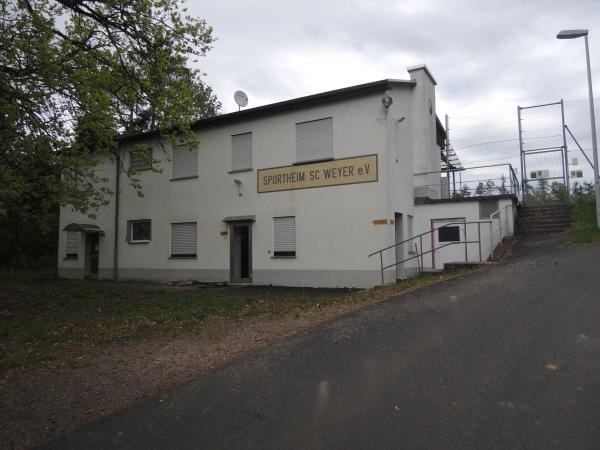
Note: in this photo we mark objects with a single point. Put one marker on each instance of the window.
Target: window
(139, 231)
(140, 159)
(487, 207)
(314, 140)
(183, 240)
(284, 236)
(73, 238)
(184, 162)
(409, 227)
(241, 151)
(450, 233)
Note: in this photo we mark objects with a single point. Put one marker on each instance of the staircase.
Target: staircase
(547, 218)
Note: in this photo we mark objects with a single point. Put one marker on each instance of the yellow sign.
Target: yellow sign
(359, 169)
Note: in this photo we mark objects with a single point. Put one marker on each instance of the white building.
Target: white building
(296, 193)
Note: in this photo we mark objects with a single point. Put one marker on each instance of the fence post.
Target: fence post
(479, 239)
(381, 265)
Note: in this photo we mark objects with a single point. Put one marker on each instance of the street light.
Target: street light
(573, 34)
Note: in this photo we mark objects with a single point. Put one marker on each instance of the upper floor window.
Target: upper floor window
(184, 162)
(241, 151)
(314, 140)
(140, 159)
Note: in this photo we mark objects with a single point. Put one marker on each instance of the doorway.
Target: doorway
(449, 241)
(399, 237)
(241, 253)
(92, 254)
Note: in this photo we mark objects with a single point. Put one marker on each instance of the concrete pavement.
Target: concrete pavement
(507, 357)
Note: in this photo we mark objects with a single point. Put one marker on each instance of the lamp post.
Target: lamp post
(573, 34)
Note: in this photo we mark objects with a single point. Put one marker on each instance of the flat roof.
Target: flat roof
(287, 105)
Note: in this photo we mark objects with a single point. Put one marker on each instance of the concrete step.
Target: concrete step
(543, 220)
(541, 230)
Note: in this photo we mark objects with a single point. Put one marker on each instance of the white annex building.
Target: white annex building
(303, 192)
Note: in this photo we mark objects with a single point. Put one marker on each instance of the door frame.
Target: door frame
(90, 238)
(232, 225)
(434, 238)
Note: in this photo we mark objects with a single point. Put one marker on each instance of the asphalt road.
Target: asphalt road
(508, 357)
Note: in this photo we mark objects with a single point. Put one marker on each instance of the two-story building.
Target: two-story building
(296, 193)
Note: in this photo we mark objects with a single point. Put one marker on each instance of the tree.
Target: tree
(485, 188)
(502, 189)
(463, 192)
(76, 74)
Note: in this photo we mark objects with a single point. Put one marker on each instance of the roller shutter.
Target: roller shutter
(241, 151)
(314, 140)
(183, 239)
(284, 232)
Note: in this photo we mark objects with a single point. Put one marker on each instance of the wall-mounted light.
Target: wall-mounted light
(238, 183)
(387, 101)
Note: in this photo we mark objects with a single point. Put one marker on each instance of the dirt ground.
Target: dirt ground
(40, 404)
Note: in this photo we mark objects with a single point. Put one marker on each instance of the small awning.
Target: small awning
(84, 228)
(240, 219)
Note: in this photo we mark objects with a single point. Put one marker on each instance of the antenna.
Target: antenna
(241, 99)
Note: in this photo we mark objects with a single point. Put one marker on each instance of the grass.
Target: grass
(583, 220)
(45, 320)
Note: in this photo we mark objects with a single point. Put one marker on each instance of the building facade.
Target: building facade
(295, 193)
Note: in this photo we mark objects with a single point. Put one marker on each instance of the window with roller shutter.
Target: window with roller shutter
(183, 239)
(241, 151)
(314, 140)
(184, 163)
(284, 236)
(73, 238)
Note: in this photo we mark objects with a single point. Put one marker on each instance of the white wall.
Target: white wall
(334, 229)
(469, 210)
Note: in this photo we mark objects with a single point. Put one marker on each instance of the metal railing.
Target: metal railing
(472, 181)
(419, 249)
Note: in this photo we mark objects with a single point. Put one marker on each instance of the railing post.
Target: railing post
(479, 239)
(381, 265)
(491, 238)
(421, 250)
(466, 245)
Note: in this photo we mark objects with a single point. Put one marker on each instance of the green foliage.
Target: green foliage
(583, 216)
(485, 188)
(73, 77)
(463, 192)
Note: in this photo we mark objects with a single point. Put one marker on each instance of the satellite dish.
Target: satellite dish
(240, 98)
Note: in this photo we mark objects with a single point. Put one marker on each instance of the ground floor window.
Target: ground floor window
(284, 236)
(183, 240)
(139, 231)
(73, 238)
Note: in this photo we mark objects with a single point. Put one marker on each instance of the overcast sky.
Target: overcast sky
(487, 57)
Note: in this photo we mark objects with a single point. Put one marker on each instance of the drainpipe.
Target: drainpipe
(116, 230)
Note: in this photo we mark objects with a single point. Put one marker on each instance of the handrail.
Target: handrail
(429, 251)
(424, 233)
(420, 236)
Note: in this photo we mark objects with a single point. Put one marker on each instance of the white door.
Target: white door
(449, 241)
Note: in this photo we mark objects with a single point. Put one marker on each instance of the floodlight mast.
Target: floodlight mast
(574, 34)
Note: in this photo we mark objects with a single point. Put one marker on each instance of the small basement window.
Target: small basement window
(140, 159)
(139, 231)
(284, 236)
(450, 233)
(183, 240)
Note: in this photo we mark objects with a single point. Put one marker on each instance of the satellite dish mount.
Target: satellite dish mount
(241, 99)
